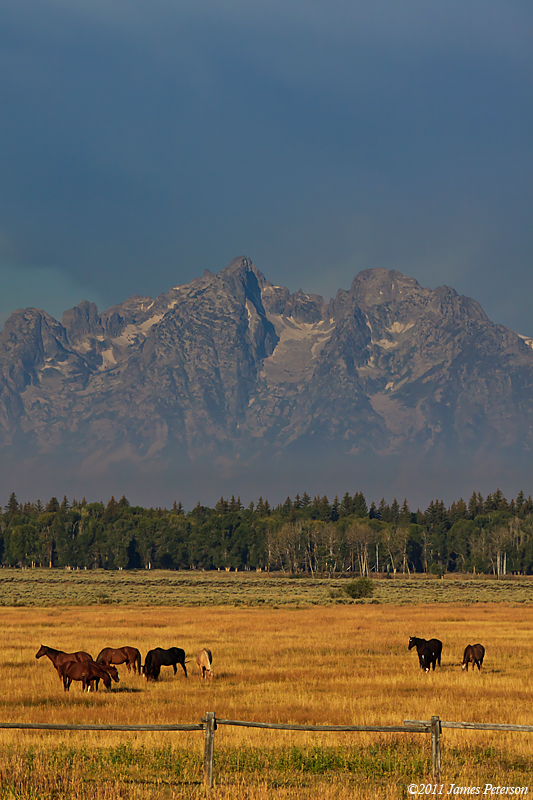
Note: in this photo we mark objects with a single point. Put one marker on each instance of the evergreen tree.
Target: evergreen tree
(404, 517)
(53, 505)
(359, 505)
(346, 506)
(12, 507)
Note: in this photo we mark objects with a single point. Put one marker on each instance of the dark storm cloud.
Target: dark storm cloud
(143, 142)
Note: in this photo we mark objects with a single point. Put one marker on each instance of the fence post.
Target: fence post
(209, 748)
(435, 747)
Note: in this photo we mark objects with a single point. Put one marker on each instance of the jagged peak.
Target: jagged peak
(382, 285)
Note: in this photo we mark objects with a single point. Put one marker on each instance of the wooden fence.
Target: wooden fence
(210, 723)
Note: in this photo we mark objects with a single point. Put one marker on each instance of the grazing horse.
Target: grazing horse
(204, 659)
(88, 672)
(157, 658)
(119, 655)
(474, 653)
(111, 670)
(427, 657)
(434, 646)
(58, 657)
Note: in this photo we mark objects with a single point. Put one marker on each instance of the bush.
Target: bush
(362, 587)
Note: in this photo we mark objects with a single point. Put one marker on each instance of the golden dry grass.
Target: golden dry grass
(320, 665)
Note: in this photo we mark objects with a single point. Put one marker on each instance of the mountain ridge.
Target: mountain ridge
(233, 369)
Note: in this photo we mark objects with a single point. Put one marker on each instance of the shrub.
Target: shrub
(362, 587)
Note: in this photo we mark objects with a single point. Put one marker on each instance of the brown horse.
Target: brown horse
(88, 672)
(59, 657)
(119, 655)
(474, 654)
(204, 659)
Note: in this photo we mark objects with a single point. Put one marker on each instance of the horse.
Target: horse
(157, 658)
(111, 670)
(88, 672)
(435, 647)
(204, 659)
(119, 655)
(59, 657)
(474, 653)
(427, 657)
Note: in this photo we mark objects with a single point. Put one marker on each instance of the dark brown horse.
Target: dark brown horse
(59, 657)
(118, 655)
(474, 654)
(157, 658)
(88, 672)
(429, 652)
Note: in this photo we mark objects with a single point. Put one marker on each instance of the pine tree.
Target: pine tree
(405, 513)
(12, 507)
(359, 505)
(222, 507)
(346, 506)
(335, 509)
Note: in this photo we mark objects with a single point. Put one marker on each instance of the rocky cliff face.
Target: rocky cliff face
(232, 367)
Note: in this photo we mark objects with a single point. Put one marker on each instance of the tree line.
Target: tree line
(302, 535)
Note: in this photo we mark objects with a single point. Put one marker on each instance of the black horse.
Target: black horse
(429, 651)
(157, 658)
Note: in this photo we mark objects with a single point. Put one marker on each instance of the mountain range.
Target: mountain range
(231, 381)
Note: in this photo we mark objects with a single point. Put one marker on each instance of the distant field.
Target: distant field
(45, 587)
(300, 663)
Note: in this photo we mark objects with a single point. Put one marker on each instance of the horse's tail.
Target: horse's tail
(138, 662)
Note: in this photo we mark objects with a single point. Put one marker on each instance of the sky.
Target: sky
(143, 141)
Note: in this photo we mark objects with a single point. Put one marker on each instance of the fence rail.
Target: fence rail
(475, 726)
(210, 723)
(45, 726)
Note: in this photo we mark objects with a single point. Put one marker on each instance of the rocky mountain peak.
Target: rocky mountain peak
(232, 366)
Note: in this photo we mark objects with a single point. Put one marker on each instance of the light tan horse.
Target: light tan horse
(204, 659)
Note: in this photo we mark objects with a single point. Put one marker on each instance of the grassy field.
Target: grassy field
(301, 663)
(45, 587)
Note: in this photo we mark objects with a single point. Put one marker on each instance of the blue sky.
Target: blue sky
(142, 142)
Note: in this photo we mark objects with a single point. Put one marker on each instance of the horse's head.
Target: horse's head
(41, 651)
(113, 671)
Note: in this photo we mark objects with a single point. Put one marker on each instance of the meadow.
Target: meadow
(65, 587)
(301, 662)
